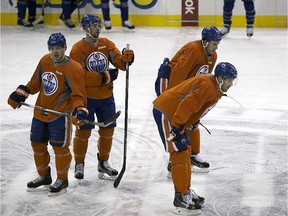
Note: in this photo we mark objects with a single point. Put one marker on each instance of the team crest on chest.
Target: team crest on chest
(97, 61)
(203, 70)
(50, 83)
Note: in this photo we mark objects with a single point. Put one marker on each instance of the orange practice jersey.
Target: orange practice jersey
(187, 102)
(191, 60)
(103, 52)
(61, 87)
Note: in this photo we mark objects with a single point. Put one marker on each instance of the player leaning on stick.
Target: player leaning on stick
(194, 58)
(180, 109)
(94, 54)
(59, 82)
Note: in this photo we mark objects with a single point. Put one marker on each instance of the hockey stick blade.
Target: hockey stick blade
(37, 21)
(106, 123)
(119, 177)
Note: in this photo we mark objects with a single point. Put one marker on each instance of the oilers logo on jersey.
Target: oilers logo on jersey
(97, 61)
(50, 83)
(203, 70)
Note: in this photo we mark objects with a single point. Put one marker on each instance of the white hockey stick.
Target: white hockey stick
(100, 124)
(39, 19)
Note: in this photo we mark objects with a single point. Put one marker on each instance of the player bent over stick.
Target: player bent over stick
(192, 59)
(180, 108)
(59, 82)
(94, 54)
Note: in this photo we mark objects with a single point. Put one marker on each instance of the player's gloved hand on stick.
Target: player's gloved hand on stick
(79, 115)
(181, 138)
(20, 95)
(109, 76)
(127, 56)
(164, 70)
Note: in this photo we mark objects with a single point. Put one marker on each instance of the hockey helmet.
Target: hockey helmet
(225, 70)
(57, 39)
(211, 34)
(89, 19)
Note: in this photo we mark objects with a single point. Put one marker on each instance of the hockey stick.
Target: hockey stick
(119, 177)
(39, 19)
(78, 11)
(100, 124)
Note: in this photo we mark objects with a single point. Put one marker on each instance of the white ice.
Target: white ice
(247, 150)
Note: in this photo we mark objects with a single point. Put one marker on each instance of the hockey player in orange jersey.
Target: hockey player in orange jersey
(94, 54)
(59, 82)
(194, 58)
(180, 109)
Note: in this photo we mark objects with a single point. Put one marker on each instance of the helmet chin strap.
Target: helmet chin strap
(90, 34)
(220, 84)
(204, 46)
(55, 60)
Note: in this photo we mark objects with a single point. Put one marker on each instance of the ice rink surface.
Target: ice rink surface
(247, 150)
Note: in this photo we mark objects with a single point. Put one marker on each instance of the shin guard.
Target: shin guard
(80, 145)
(63, 159)
(41, 157)
(180, 170)
(105, 142)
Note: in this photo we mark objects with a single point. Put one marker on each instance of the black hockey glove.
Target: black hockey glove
(20, 95)
(109, 76)
(79, 115)
(181, 138)
(164, 70)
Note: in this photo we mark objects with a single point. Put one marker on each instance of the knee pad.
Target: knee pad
(106, 132)
(82, 134)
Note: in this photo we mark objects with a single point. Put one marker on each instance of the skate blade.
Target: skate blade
(45, 188)
(61, 22)
(196, 169)
(52, 194)
(23, 28)
(169, 176)
(183, 211)
(104, 176)
(124, 29)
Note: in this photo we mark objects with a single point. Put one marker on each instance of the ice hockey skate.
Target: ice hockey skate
(196, 198)
(35, 185)
(59, 187)
(24, 24)
(199, 165)
(67, 22)
(106, 172)
(225, 30)
(79, 171)
(127, 26)
(249, 31)
(108, 25)
(185, 206)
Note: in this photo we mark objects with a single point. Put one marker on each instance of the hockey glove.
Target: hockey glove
(164, 70)
(79, 115)
(109, 76)
(20, 95)
(181, 138)
(127, 56)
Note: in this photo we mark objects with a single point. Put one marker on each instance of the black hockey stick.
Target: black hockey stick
(78, 11)
(37, 21)
(119, 177)
(100, 124)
